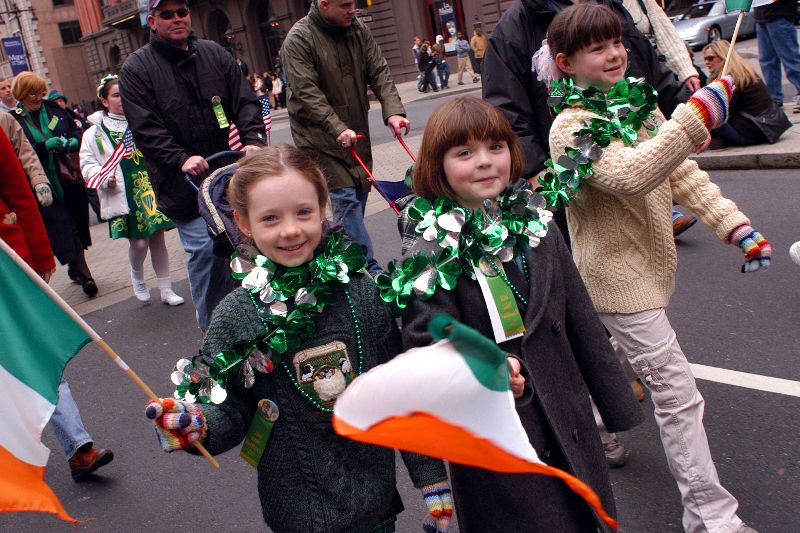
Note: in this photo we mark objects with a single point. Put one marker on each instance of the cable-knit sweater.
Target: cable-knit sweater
(620, 221)
(309, 479)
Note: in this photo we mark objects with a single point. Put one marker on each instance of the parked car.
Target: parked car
(706, 22)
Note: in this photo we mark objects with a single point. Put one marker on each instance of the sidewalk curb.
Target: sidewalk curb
(445, 92)
(748, 161)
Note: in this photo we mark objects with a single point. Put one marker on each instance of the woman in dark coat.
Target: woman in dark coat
(53, 133)
(751, 97)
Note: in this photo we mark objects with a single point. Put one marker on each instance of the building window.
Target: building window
(63, 2)
(70, 32)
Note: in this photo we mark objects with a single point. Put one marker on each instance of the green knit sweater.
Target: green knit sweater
(309, 478)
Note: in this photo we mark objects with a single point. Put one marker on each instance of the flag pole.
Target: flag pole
(733, 42)
(92, 334)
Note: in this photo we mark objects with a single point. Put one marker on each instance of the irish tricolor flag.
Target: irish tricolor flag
(450, 400)
(37, 339)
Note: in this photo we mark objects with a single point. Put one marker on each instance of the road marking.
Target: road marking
(749, 381)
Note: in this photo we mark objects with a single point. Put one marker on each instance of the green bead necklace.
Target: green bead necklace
(359, 344)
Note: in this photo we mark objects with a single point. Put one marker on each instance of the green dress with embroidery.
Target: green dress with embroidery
(144, 218)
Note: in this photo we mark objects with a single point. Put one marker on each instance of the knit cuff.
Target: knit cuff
(730, 223)
(691, 123)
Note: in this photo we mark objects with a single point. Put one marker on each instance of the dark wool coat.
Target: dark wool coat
(62, 218)
(310, 480)
(329, 69)
(509, 83)
(568, 357)
(167, 93)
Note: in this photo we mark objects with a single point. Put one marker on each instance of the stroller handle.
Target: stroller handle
(188, 178)
(371, 178)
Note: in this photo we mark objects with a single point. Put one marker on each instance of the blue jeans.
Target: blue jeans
(777, 43)
(209, 275)
(348, 211)
(732, 136)
(444, 73)
(67, 423)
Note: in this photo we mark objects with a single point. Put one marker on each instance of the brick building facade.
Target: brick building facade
(255, 29)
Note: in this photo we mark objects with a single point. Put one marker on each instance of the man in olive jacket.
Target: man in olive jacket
(330, 58)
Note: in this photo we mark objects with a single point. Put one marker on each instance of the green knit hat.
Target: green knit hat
(55, 94)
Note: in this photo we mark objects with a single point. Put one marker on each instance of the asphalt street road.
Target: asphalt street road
(724, 319)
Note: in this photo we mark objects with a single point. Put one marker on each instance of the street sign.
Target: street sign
(16, 54)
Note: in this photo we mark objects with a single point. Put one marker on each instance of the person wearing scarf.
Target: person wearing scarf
(52, 132)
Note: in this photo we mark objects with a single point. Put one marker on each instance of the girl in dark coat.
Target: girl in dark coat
(486, 223)
(52, 133)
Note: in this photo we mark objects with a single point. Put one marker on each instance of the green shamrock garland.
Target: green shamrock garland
(627, 106)
(516, 216)
(312, 286)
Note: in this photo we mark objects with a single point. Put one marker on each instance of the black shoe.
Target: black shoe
(89, 287)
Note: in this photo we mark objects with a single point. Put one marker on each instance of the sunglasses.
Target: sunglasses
(168, 14)
(709, 58)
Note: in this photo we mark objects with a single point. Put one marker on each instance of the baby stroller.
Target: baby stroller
(213, 204)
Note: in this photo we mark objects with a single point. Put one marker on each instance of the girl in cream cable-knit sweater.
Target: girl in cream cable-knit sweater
(624, 164)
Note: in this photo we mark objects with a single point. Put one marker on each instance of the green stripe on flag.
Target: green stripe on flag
(37, 338)
(737, 5)
(486, 360)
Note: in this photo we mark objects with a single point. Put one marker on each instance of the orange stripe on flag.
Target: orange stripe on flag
(457, 445)
(22, 488)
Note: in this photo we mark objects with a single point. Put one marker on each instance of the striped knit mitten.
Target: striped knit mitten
(439, 501)
(711, 103)
(178, 424)
(756, 248)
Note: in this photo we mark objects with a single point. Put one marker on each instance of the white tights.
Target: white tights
(159, 256)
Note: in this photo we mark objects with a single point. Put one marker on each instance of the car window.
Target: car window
(699, 11)
(718, 9)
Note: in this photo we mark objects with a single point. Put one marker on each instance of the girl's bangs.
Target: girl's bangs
(474, 122)
(597, 25)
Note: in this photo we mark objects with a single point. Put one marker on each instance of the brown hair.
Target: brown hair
(273, 161)
(580, 25)
(28, 83)
(454, 123)
(743, 74)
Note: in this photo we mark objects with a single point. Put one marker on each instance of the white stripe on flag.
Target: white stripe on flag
(108, 168)
(234, 142)
(446, 371)
(23, 415)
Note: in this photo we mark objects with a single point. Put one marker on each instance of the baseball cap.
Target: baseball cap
(153, 4)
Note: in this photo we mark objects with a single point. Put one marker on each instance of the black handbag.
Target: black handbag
(772, 122)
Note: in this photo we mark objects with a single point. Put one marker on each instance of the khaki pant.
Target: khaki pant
(648, 342)
(463, 63)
